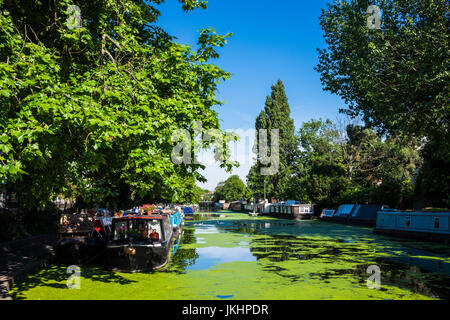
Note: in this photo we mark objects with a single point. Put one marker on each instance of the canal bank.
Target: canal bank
(234, 256)
(19, 258)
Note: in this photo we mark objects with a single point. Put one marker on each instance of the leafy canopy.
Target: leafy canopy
(89, 112)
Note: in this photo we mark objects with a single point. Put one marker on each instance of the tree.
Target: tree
(206, 195)
(397, 77)
(382, 170)
(89, 111)
(276, 115)
(232, 189)
(355, 166)
(320, 175)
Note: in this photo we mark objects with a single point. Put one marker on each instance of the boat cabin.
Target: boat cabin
(293, 211)
(141, 228)
(139, 243)
(425, 225)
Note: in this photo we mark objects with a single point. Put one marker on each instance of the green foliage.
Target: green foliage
(89, 112)
(232, 189)
(319, 172)
(396, 78)
(352, 165)
(434, 180)
(276, 115)
(206, 195)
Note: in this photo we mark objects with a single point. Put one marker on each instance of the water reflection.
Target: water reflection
(184, 256)
(256, 258)
(422, 268)
(212, 256)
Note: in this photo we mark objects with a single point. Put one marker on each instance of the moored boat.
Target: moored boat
(188, 213)
(353, 214)
(290, 210)
(140, 243)
(430, 225)
(83, 238)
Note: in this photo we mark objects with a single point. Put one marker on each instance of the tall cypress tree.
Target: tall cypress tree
(276, 115)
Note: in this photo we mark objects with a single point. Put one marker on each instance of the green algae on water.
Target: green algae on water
(240, 257)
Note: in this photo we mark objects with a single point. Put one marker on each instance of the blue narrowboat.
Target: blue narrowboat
(424, 225)
(188, 213)
(354, 214)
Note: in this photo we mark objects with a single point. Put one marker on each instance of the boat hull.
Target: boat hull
(353, 222)
(295, 216)
(415, 235)
(137, 257)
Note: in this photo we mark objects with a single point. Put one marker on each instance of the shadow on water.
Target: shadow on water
(294, 250)
(56, 276)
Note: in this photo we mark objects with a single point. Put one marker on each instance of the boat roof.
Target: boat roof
(151, 217)
(393, 211)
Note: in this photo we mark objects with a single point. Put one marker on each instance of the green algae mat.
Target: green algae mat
(234, 256)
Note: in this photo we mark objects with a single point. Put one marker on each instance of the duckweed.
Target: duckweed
(240, 257)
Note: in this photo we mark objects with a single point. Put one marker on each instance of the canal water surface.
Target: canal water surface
(234, 256)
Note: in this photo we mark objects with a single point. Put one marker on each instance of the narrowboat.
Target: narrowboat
(207, 206)
(139, 243)
(290, 210)
(327, 214)
(353, 214)
(237, 206)
(176, 220)
(188, 213)
(262, 206)
(427, 225)
(83, 238)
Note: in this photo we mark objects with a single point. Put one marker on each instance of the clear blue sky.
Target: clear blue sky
(272, 39)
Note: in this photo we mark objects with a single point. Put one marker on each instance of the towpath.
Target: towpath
(20, 257)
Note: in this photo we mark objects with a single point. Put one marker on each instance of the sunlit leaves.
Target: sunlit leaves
(89, 111)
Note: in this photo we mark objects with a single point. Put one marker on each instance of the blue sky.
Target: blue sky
(272, 39)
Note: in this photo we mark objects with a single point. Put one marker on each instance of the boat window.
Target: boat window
(436, 223)
(408, 221)
(136, 229)
(356, 210)
(119, 229)
(155, 225)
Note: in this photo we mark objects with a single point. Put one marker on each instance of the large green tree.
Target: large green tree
(89, 103)
(276, 115)
(395, 77)
(319, 174)
(352, 164)
(232, 189)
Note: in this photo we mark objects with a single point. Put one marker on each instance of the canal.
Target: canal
(234, 256)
